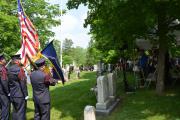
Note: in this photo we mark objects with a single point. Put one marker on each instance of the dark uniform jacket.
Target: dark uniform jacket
(40, 87)
(4, 89)
(18, 87)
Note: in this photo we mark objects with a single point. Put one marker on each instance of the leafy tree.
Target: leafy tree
(92, 54)
(67, 46)
(67, 60)
(67, 51)
(79, 55)
(9, 27)
(42, 14)
(71, 54)
(116, 23)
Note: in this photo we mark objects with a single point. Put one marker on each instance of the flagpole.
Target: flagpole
(8, 63)
(61, 34)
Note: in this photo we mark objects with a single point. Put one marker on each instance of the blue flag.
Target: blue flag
(50, 52)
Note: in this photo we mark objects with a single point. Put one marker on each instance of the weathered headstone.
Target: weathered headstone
(95, 67)
(106, 99)
(103, 67)
(65, 74)
(99, 68)
(89, 113)
(112, 86)
(115, 72)
(109, 68)
(103, 93)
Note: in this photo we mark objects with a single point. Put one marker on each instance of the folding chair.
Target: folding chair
(152, 77)
(139, 75)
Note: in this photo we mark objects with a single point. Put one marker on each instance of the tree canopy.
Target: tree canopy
(72, 54)
(118, 23)
(41, 13)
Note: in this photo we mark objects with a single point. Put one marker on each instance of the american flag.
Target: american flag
(30, 43)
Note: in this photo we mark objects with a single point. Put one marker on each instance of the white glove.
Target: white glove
(27, 97)
(9, 95)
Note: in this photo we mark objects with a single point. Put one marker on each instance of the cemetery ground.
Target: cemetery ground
(68, 102)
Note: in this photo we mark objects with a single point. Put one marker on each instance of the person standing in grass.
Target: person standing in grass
(4, 90)
(77, 72)
(40, 83)
(143, 66)
(18, 88)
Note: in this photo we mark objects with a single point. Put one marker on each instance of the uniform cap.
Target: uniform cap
(18, 56)
(40, 62)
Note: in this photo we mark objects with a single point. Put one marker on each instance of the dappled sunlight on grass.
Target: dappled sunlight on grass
(146, 111)
(157, 117)
(146, 105)
(171, 94)
(68, 101)
(138, 102)
(71, 99)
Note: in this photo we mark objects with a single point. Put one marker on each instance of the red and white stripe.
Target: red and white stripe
(30, 42)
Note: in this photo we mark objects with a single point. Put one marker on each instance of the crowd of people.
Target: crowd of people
(143, 65)
(14, 93)
(69, 69)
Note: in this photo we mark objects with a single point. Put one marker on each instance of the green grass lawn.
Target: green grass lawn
(68, 102)
(144, 104)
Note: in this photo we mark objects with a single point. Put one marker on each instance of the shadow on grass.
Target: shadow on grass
(146, 105)
(71, 99)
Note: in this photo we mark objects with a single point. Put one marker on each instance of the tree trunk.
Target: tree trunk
(161, 69)
(163, 46)
(167, 67)
(126, 86)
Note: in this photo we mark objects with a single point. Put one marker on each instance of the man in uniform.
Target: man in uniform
(40, 83)
(18, 88)
(4, 90)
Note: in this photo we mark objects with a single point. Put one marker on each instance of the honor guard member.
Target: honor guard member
(40, 83)
(18, 88)
(4, 90)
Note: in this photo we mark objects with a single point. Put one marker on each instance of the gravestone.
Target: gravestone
(109, 68)
(89, 113)
(103, 100)
(106, 91)
(112, 83)
(65, 73)
(103, 67)
(99, 68)
(95, 68)
(115, 72)
(112, 86)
